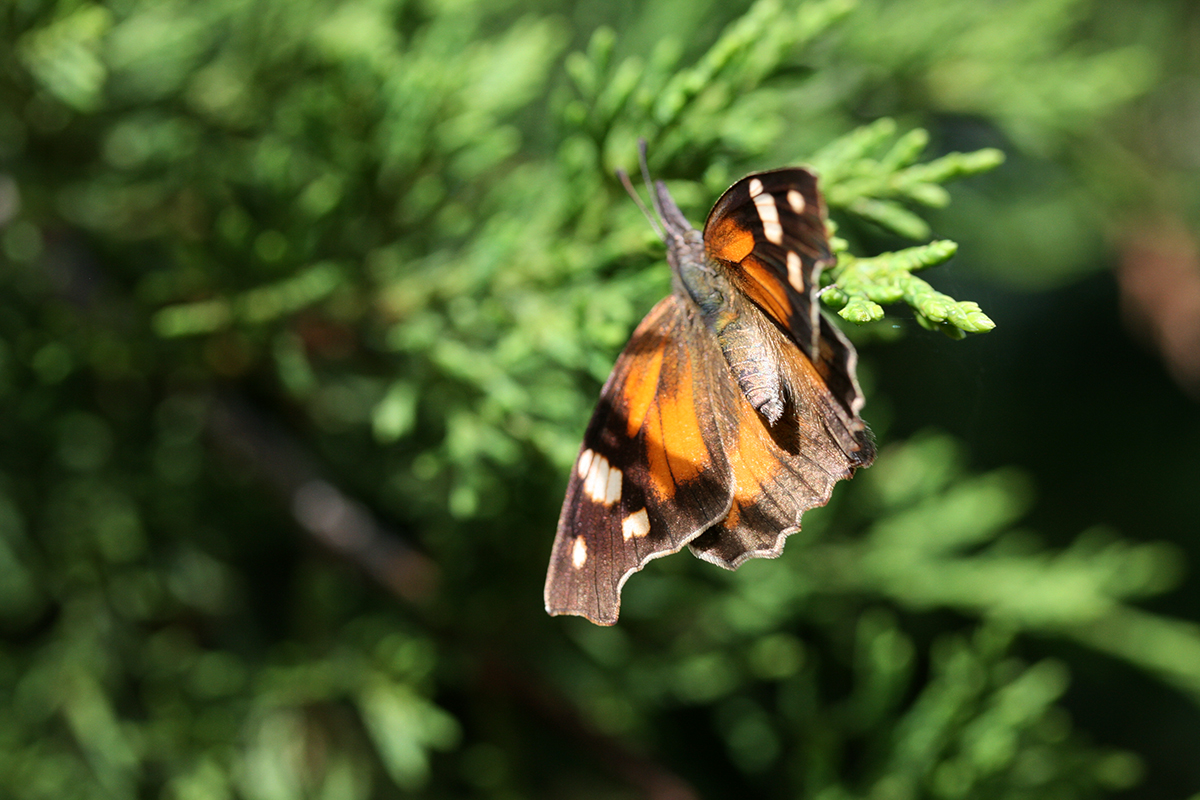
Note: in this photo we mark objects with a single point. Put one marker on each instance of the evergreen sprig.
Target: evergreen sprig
(864, 284)
(863, 175)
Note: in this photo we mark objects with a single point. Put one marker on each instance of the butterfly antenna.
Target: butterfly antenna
(654, 223)
(646, 178)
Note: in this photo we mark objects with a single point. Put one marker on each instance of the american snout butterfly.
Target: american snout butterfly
(733, 409)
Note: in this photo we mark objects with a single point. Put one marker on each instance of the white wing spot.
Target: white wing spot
(597, 479)
(756, 187)
(601, 481)
(636, 525)
(585, 462)
(796, 201)
(768, 214)
(612, 492)
(795, 277)
(578, 553)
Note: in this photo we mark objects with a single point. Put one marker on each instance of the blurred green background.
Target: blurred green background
(305, 306)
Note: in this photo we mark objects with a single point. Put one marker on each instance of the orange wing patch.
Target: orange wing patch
(729, 241)
(675, 445)
(754, 461)
(761, 285)
(640, 388)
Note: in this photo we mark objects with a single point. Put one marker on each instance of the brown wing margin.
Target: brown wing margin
(652, 473)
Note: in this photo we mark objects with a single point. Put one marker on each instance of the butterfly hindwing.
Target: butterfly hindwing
(652, 472)
(780, 471)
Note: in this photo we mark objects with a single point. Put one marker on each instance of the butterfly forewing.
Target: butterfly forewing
(652, 472)
(768, 230)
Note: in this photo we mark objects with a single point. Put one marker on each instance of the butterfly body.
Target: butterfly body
(741, 342)
(733, 408)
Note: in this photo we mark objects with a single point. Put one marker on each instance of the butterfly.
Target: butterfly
(732, 410)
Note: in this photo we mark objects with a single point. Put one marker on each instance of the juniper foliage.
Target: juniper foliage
(305, 304)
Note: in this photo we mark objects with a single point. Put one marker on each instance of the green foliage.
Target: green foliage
(869, 189)
(1031, 74)
(674, 105)
(305, 305)
(862, 283)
